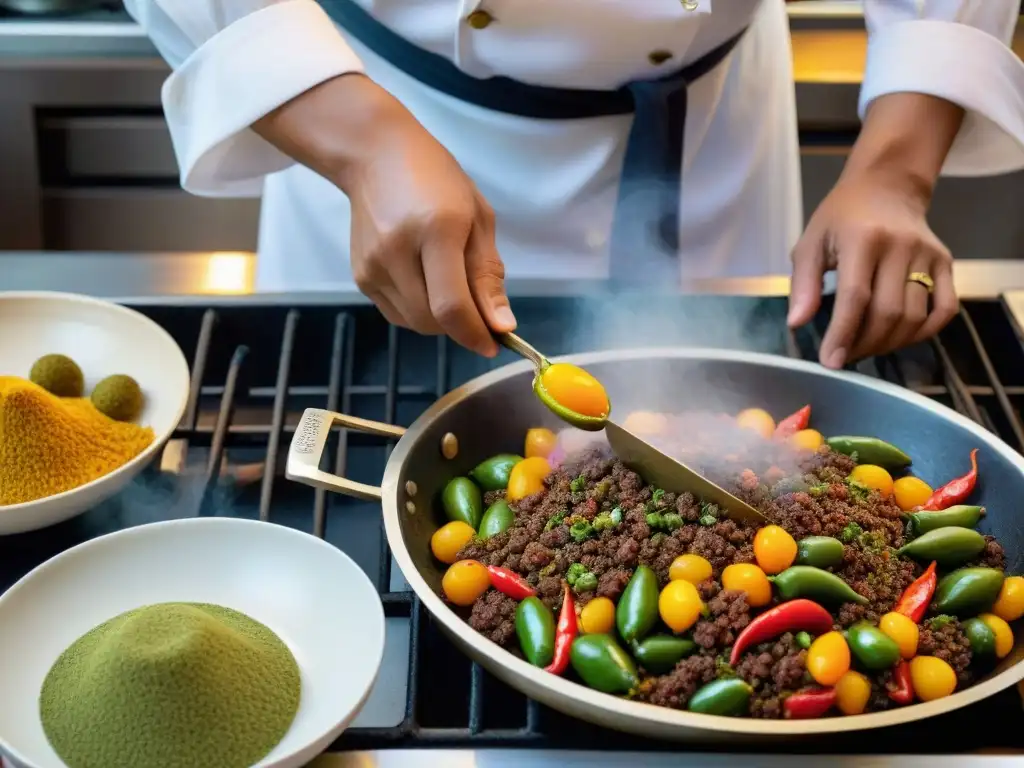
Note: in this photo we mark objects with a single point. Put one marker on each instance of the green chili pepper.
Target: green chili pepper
(947, 546)
(819, 551)
(586, 582)
(462, 501)
(961, 516)
(492, 474)
(967, 591)
(659, 653)
(638, 607)
(871, 647)
(729, 697)
(535, 628)
(803, 639)
(815, 584)
(602, 664)
(497, 519)
(983, 639)
(870, 450)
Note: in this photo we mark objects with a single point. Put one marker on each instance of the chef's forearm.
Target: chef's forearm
(905, 139)
(330, 127)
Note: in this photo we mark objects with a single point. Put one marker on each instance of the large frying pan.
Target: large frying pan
(492, 413)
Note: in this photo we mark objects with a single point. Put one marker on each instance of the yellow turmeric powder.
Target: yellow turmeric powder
(51, 444)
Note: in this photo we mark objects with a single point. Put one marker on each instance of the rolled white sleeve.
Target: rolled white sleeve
(958, 50)
(234, 61)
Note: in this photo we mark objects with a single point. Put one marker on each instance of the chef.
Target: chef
(422, 150)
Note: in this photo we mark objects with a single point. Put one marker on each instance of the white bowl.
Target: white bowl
(104, 339)
(317, 600)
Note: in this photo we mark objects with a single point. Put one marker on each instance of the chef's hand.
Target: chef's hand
(872, 229)
(422, 240)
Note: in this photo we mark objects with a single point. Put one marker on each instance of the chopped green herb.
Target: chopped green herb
(723, 668)
(548, 569)
(575, 571)
(858, 491)
(577, 485)
(803, 639)
(603, 522)
(672, 521)
(657, 496)
(818, 490)
(555, 520)
(850, 533)
(657, 538)
(873, 542)
(939, 622)
(707, 508)
(655, 520)
(581, 530)
(586, 582)
(707, 520)
(602, 488)
(616, 515)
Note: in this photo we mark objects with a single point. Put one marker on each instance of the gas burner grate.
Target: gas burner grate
(255, 369)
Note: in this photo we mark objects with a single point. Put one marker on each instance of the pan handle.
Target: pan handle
(307, 447)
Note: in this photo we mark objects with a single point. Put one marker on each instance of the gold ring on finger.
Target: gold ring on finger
(922, 278)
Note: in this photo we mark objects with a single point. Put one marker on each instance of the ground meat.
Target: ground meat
(947, 642)
(676, 688)
(596, 514)
(729, 614)
(493, 616)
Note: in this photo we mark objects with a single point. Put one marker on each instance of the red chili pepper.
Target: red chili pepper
(565, 633)
(915, 598)
(955, 491)
(903, 692)
(794, 423)
(808, 705)
(510, 583)
(791, 616)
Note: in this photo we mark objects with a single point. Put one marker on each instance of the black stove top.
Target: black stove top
(256, 368)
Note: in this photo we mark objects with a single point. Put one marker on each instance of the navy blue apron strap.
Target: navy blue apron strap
(644, 243)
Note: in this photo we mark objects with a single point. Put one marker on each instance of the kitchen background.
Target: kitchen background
(86, 162)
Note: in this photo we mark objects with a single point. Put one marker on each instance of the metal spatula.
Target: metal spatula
(662, 470)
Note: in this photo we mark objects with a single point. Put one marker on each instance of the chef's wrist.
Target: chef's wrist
(333, 127)
(903, 143)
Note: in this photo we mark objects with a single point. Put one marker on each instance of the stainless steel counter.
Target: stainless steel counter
(216, 277)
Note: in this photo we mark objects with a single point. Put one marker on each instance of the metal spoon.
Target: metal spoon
(540, 363)
(656, 467)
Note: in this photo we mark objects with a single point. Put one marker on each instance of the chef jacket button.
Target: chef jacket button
(479, 19)
(659, 57)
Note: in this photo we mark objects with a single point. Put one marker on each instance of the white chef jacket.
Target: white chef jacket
(553, 183)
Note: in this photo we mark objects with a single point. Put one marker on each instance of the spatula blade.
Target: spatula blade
(659, 469)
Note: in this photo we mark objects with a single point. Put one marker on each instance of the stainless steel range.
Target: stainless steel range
(257, 362)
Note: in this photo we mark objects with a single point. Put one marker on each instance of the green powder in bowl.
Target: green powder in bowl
(173, 685)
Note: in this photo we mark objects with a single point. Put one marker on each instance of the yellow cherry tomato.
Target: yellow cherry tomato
(902, 631)
(527, 478)
(932, 678)
(807, 440)
(774, 549)
(874, 478)
(539, 442)
(1010, 605)
(573, 388)
(646, 422)
(465, 581)
(853, 691)
(449, 539)
(756, 420)
(598, 616)
(691, 568)
(680, 605)
(828, 658)
(1002, 631)
(910, 492)
(745, 577)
